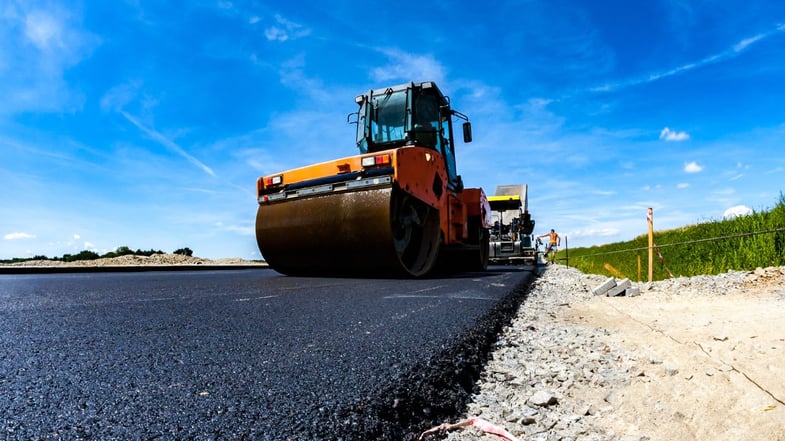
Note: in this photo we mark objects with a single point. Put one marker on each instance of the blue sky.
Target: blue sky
(146, 123)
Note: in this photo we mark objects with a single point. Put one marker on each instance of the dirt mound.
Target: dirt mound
(132, 260)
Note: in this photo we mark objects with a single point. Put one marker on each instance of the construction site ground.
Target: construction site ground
(709, 367)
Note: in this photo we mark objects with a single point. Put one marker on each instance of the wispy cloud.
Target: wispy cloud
(44, 31)
(243, 230)
(37, 45)
(593, 232)
(225, 4)
(166, 142)
(743, 44)
(671, 135)
(693, 167)
(18, 236)
(733, 51)
(119, 96)
(284, 29)
(407, 66)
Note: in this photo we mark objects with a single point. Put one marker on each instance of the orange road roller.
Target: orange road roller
(398, 208)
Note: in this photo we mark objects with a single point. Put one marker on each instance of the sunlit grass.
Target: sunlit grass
(713, 247)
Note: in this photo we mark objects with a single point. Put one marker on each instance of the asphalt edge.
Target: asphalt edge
(438, 389)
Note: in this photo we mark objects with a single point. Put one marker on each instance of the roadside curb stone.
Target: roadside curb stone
(604, 287)
(632, 291)
(620, 288)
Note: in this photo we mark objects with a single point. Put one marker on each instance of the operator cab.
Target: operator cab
(413, 114)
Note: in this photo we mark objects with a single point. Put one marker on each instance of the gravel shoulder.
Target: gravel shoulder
(689, 359)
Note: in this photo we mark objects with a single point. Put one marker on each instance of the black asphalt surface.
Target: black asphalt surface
(243, 354)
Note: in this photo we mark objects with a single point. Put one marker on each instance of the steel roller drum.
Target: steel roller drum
(379, 231)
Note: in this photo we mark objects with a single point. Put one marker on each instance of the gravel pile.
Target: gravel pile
(722, 284)
(539, 365)
(132, 260)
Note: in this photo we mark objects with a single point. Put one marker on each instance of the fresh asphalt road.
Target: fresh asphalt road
(237, 354)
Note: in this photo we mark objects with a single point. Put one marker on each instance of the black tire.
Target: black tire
(416, 233)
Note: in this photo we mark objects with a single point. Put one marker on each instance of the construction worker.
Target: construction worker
(554, 241)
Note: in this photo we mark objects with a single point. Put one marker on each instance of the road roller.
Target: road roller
(398, 208)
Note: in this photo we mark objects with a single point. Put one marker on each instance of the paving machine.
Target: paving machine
(397, 208)
(511, 233)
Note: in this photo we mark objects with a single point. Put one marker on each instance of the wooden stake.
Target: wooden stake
(651, 243)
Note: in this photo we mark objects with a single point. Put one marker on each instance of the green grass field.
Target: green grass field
(743, 243)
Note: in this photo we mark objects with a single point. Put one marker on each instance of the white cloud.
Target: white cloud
(44, 30)
(736, 211)
(121, 95)
(670, 135)
(285, 30)
(592, 232)
(40, 42)
(693, 167)
(275, 34)
(18, 235)
(682, 185)
(404, 66)
(238, 229)
(77, 237)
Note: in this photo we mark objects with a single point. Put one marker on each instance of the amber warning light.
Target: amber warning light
(370, 161)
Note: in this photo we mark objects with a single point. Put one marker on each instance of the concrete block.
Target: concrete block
(632, 291)
(619, 289)
(604, 287)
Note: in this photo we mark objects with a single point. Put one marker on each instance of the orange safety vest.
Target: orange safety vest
(553, 237)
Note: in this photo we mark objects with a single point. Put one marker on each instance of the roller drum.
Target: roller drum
(380, 231)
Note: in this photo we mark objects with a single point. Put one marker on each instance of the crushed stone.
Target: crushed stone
(538, 363)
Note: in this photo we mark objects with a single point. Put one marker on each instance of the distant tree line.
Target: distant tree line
(92, 255)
